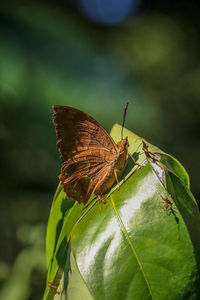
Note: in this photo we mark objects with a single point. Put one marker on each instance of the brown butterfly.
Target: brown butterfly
(91, 159)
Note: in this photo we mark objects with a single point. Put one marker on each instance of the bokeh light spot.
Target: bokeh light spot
(110, 12)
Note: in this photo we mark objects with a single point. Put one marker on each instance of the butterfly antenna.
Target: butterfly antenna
(124, 118)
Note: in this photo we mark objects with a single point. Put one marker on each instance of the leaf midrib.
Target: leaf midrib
(131, 245)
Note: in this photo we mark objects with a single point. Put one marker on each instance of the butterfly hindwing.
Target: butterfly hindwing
(80, 178)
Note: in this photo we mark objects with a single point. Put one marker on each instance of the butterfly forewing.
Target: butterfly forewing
(77, 130)
(87, 151)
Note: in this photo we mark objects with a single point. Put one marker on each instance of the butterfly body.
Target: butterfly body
(90, 156)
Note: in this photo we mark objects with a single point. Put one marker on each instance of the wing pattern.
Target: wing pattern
(87, 151)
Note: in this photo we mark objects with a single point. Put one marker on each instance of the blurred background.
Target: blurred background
(93, 55)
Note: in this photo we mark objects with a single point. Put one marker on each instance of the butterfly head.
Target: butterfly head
(123, 145)
(122, 154)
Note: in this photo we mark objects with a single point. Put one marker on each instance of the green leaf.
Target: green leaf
(77, 288)
(59, 210)
(132, 247)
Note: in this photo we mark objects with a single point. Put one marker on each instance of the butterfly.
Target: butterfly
(91, 159)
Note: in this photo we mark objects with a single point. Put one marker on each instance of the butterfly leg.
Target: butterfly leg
(132, 157)
(115, 172)
(101, 199)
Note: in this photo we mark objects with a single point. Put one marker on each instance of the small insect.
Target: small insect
(52, 286)
(151, 157)
(154, 160)
(167, 204)
(91, 158)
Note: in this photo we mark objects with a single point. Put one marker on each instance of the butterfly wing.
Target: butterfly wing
(77, 131)
(83, 174)
(87, 150)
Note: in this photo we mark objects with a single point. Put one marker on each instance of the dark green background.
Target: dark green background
(50, 53)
